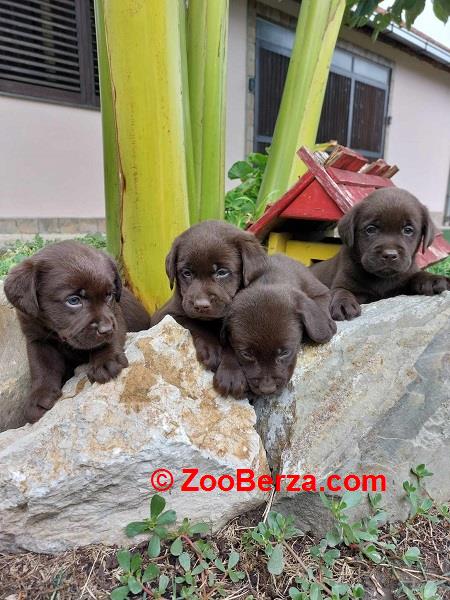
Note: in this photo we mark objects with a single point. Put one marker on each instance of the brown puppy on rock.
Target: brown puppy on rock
(67, 299)
(208, 264)
(265, 326)
(381, 236)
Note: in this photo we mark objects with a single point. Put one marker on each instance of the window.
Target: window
(48, 50)
(355, 104)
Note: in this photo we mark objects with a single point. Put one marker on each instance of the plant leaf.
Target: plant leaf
(163, 583)
(176, 547)
(233, 559)
(167, 518)
(185, 561)
(157, 504)
(120, 593)
(134, 585)
(124, 560)
(276, 561)
(150, 573)
(135, 528)
(154, 546)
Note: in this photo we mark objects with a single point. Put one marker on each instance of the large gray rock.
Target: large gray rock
(375, 400)
(14, 375)
(81, 473)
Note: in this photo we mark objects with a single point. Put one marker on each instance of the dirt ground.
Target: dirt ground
(92, 572)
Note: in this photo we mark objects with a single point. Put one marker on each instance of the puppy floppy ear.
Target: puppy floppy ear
(253, 256)
(21, 287)
(346, 228)
(117, 281)
(428, 228)
(317, 322)
(171, 263)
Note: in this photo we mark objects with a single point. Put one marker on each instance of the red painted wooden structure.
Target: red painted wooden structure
(331, 188)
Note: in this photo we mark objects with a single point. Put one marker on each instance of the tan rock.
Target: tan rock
(82, 472)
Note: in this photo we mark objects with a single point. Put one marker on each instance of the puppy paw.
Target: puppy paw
(208, 354)
(102, 371)
(344, 309)
(40, 401)
(428, 284)
(230, 381)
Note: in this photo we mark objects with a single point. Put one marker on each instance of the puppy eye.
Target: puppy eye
(246, 355)
(371, 229)
(282, 354)
(221, 273)
(73, 301)
(109, 297)
(186, 273)
(408, 230)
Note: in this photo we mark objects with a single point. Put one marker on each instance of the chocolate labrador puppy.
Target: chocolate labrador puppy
(67, 299)
(381, 236)
(265, 326)
(208, 264)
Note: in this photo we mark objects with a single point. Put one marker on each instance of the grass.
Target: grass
(11, 256)
(441, 268)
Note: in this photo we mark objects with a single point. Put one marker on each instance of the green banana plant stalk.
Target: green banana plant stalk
(144, 136)
(301, 104)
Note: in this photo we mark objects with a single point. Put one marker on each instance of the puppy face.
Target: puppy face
(385, 231)
(265, 328)
(210, 262)
(71, 289)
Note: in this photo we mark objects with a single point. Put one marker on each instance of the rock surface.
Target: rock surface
(375, 400)
(14, 376)
(82, 472)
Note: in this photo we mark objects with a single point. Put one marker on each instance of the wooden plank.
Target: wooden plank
(362, 180)
(344, 158)
(341, 198)
(313, 204)
(263, 225)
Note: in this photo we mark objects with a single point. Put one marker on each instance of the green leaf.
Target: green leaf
(120, 593)
(314, 592)
(408, 592)
(240, 170)
(134, 585)
(154, 546)
(371, 552)
(167, 518)
(135, 528)
(136, 561)
(429, 591)
(185, 561)
(199, 528)
(233, 559)
(421, 471)
(157, 504)
(150, 573)
(334, 537)
(351, 499)
(276, 561)
(441, 9)
(124, 560)
(295, 594)
(176, 547)
(219, 564)
(358, 591)
(163, 583)
(411, 555)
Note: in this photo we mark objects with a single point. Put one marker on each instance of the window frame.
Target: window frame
(86, 97)
(354, 77)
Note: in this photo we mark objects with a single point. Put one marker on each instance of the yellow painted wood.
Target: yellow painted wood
(307, 252)
(277, 242)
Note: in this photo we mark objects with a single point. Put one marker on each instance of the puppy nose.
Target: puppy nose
(390, 255)
(202, 304)
(267, 387)
(104, 328)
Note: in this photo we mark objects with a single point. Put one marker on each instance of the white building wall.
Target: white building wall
(51, 155)
(51, 162)
(418, 137)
